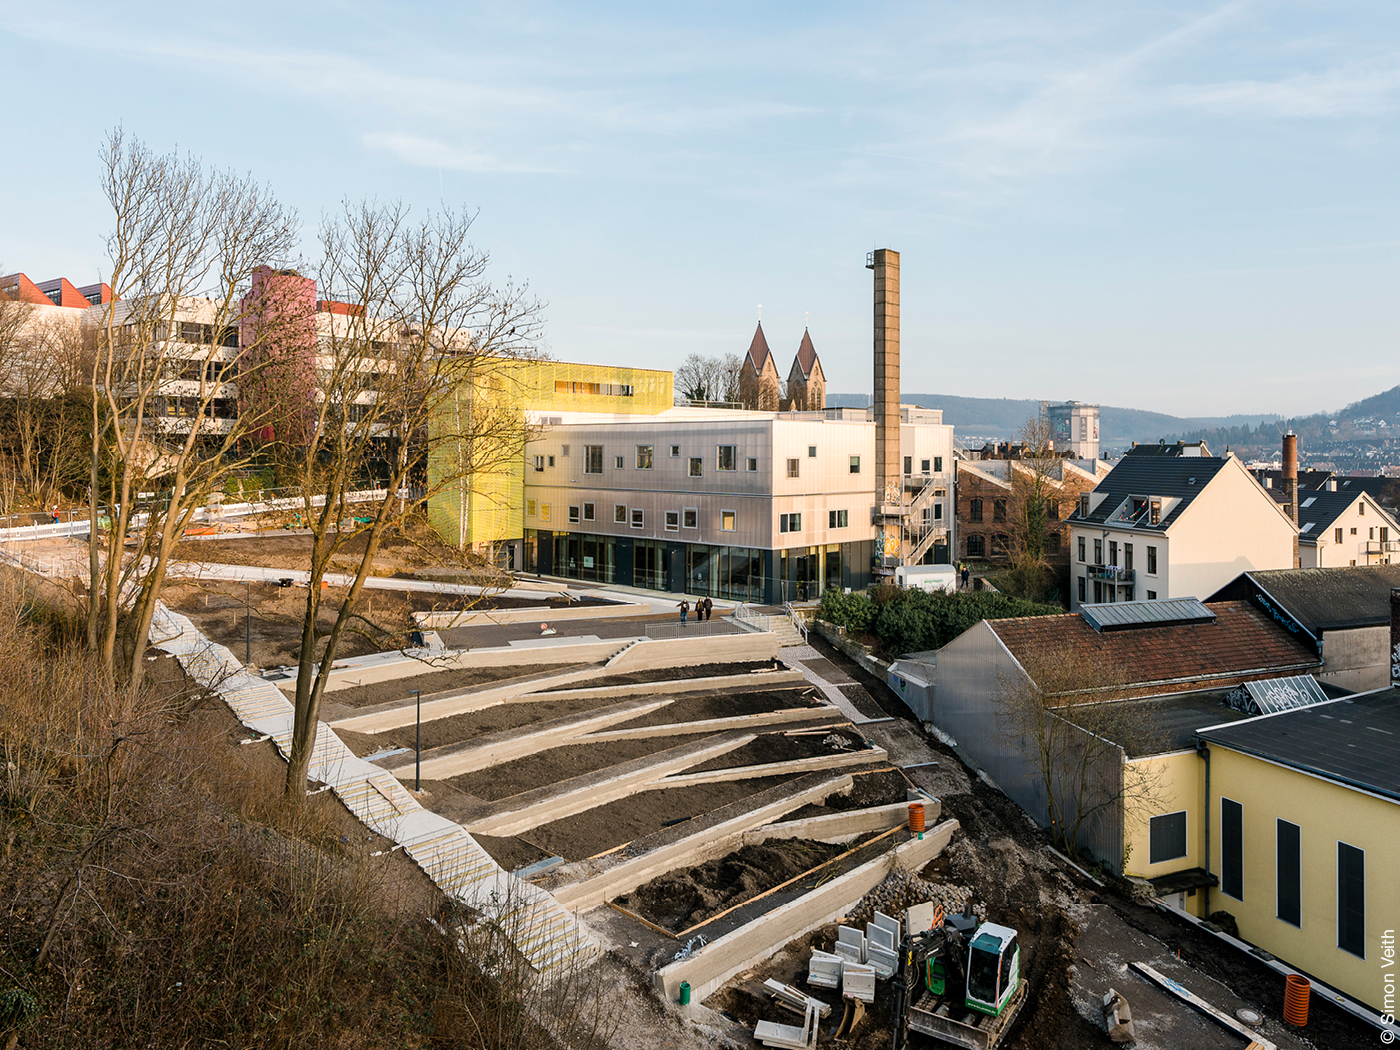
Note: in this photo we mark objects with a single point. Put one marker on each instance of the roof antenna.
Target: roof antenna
(806, 319)
(760, 313)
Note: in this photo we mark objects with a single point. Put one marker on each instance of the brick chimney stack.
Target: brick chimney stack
(889, 479)
(1290, 485)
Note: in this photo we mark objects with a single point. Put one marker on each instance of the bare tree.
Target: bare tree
(1071, 717)
(418, 379)
(701, 378)
(184, 245)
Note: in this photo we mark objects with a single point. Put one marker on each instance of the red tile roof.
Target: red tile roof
(806, 354)
(1242, 644)
(758, 350)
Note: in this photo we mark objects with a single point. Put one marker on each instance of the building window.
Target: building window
(908, 464)
(573, 515)
(1338, 534)
(1154, 514)
(644, 457)
(1098, 552)
(1289, 880)
(593, 459)
(753, 464)
(1152, 561)
(1081, 552)
(588, 512)
(1231, 848)
(855, 464)
(1167, 837)
(726, 458)
(673, 521)
(1052, 542)
(923, 465)
(544, 512)
(938, 512)
(697, 466)
(976, 547)
(1128, 556)
(998, 510)
(539, 468)
(811, 451)
(938, 464)
(1353, 532)
(727, 521)
(563, 450)
(793, 467)
(1084, 505)
(1151, 596)
(790, 523)
(1361, 510)
(1081, 588)
(1052, 509)
(1351, 899)
(551, 460)
(837, 519)
(617, 462)
(619, 514)
(974, 510)
(530, 508)
(675, 452)
(692, 518)
(638, 521)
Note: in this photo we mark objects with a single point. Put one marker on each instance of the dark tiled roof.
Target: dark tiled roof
(1163, 449)
(1146, 475)
(806, 354)
(1317, 511)
(1241, 643)
(1354, 741)
(758, 350)
(1308, 480)
(1322, 599)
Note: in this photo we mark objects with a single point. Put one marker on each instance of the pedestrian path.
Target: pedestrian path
(543, 930)
(798, 657)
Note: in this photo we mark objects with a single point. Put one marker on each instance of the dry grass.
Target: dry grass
(156, 891)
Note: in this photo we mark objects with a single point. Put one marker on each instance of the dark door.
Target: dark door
(675, 569)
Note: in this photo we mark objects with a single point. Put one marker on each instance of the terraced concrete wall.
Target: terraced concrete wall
(683, 652)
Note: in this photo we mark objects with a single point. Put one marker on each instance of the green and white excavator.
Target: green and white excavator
(959, 982)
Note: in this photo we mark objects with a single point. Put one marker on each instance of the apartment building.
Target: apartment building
(1170, 522)
(988, 494)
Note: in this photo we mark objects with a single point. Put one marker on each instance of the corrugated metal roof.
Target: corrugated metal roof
(1165, 612)
(1272, 695)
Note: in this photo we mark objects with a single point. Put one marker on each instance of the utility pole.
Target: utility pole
(248, 622)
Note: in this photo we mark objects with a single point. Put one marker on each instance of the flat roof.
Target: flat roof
(1354, 740)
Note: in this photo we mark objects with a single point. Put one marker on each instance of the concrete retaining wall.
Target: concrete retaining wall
(712, 842)
(649, 654)
(762, 679)
(837, 637)
(844, 826)
(774, 769)
(708, 969)
(440, 619)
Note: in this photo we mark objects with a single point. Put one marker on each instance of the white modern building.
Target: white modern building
(758, 506)
(1168, 522)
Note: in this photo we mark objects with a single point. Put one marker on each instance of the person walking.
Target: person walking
(965, 575)
(684, 607)
(704, 608)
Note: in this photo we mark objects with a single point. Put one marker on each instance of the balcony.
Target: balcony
(1382, 546)
(1110, 573)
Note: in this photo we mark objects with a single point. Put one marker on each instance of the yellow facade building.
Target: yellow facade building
(483, 509)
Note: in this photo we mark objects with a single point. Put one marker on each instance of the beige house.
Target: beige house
(1342, 529)
(1167, 523)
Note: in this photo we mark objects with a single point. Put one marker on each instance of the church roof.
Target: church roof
(806, 354)
(758, 350)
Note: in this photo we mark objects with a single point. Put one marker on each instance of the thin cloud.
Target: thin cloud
(433, 153)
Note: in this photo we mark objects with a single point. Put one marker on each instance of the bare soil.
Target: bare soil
(880, 788)
(862, 701)
(465, 727)
(431, 684)
(776, 747)
(511, 853)
(673, 674)
(695, 707)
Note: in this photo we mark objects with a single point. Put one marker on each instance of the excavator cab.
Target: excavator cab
(993, 968)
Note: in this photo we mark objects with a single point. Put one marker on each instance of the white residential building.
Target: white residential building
(1341, 529)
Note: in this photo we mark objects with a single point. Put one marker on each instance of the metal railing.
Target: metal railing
(692, 629)
(796, 621)
(1111, 573)
(1382, 546)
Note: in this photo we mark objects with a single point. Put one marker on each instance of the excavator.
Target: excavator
(959, 982)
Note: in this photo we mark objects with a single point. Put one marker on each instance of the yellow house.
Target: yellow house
(1304, 836)
(484, 509)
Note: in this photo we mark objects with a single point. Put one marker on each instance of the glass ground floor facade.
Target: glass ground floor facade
(737, 573)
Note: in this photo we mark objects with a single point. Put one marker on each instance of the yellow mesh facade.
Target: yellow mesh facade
(488, 505)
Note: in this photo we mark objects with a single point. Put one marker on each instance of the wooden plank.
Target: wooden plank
(1219, 1016)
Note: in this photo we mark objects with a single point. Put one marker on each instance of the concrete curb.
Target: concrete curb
(843, 826)
(440, 620)
(772, 769)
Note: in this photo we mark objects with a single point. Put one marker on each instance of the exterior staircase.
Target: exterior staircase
(766, 618)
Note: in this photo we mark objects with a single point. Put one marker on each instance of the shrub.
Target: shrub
(908, 621)
(852, 611)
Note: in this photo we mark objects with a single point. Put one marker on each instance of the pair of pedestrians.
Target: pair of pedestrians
(703, 608)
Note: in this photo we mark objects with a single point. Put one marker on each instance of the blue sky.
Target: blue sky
(1190, 207)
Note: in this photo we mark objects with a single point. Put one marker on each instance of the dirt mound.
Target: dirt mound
(681, 899)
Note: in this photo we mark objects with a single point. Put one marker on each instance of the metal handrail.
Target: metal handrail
(792, 615)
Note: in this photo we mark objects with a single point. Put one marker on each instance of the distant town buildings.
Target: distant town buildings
(1074, 428)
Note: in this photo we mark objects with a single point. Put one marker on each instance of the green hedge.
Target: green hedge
(909, 621)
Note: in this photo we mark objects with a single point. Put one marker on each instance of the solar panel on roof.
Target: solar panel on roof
(1272, 695)
(1159, 612)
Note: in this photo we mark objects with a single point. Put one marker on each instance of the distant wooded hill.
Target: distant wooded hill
(1001, 418)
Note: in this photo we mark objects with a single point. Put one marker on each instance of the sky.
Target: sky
(1186, 207)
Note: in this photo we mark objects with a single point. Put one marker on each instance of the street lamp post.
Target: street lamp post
(418, 740)
(248, 623)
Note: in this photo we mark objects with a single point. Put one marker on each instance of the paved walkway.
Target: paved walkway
(807, 660)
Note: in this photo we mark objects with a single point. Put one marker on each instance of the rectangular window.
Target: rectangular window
(938, 512)
(617, 462)
(544, 512)
(1152, 561)
(530, 507)
(908, 464)
(855, 464)
(1361, 510)
(837, 519)
(998, 510)
(1113, 552)
(753, 464)
(1151, 596)
(938, 464)
(1084, 505)
(588, 512)
(1351, 899)
(974, 510)
(539, 469)
(923, 464)
(675, 452)
(1337, 534)
(1081, 588)
(697, 466)
(638, 521)
(811, 451)
(976, 546)
(726, 457)
(1098, 552)
(790, 523)
(573, 515)
(727, 521)
(1052, 509)
(1081, 552)
(644, 457)
(673, 521)
(1167, 837)
(563, 450)
(619, 514)
(1154, 516)
(1231, 848)
(1289, 872)
(1128, 556)
(1353, 532)
(593, 459)
(793, 467)
(551, 460)
(692, 518)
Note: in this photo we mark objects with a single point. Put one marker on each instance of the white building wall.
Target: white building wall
(1362, 523)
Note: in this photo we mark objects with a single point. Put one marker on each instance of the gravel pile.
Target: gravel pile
(901, 889)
